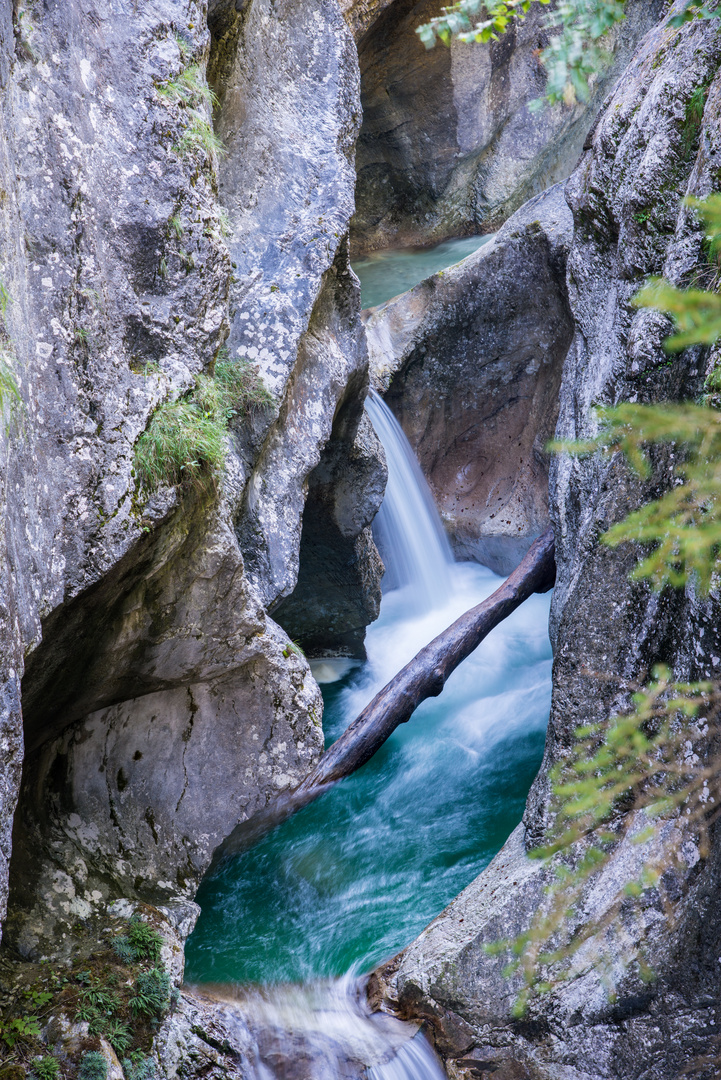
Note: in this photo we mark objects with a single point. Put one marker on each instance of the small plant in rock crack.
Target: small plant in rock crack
(189, 88)
(93, 1066)
(151, 995)
(45, 1068)
(199, 136)
(138, 1066)
(9, 393)
(242, 389)
(140, 942)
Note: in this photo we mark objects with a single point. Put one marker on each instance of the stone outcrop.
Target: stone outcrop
(449, 146)
(470, 362)
(649, 149)
(161, 703)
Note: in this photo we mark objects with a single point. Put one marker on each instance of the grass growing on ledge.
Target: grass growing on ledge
(241, 387)
(199, 135)
(185, 441)
(182, 444)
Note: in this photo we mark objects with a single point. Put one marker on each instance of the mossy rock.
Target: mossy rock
(12, 1072)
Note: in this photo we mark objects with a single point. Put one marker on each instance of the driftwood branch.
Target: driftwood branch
(423, 677)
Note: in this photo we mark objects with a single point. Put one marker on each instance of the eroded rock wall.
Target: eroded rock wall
(449, 145)
(161, 703)
(648, 151)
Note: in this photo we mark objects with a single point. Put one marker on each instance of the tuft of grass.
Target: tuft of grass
(241, 387)
(176, 225)
(199, 136)
(5, 299)
(185, 441)
(189, 88)
(183, 444)
(10, 398)
(94, 1066)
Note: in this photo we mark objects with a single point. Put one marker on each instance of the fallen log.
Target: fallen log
(423, 677)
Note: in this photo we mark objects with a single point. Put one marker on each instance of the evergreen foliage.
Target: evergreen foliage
(642, 771)
(93, 1066)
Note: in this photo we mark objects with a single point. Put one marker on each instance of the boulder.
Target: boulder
(470, 363)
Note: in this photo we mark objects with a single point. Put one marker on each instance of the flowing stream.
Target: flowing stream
(288, 927)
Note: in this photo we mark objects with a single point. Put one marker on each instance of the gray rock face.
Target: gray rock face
(448, 145)
(626, 195)
(338, 590)
(470, 362)
(361, 14)
(161, 704)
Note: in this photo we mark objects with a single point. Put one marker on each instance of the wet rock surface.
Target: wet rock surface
(607, 632)
(449, 145)
(470, 363)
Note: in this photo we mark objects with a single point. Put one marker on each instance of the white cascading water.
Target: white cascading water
(298, 1024)
(407, 528)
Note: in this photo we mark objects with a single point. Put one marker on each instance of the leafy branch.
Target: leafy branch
(573, 56)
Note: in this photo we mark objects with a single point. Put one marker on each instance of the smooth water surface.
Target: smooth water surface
(385, 274)
(356, 875)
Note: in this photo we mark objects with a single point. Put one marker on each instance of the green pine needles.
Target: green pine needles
(649, 771)
(185, 441)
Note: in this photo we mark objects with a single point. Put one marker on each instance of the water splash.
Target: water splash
(408, 528)
(320, 1031)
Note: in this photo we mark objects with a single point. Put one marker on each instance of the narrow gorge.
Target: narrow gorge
(291, 310)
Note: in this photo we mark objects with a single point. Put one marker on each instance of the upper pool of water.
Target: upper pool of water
(385, 274)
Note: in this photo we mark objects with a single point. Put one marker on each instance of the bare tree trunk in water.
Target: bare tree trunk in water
(423, 677)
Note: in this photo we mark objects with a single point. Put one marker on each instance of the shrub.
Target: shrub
(93, 1066)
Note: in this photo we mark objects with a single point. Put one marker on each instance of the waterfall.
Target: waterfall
(321, 1031)
(408, 528)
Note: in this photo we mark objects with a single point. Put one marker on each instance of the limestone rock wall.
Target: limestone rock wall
(648, 151)
(449, 146)
(161, 704)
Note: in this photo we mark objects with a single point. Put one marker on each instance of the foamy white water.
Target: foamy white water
(407, 528)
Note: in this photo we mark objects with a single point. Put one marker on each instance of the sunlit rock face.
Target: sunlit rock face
(648, 151)
(449, 144)
(161, 703)
(470, 362)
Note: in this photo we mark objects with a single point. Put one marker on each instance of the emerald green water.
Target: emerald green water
(385, 274)
(355, 876)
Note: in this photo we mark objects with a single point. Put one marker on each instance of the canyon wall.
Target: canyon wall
(642, 996)
(161, 703)
(450, 144)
